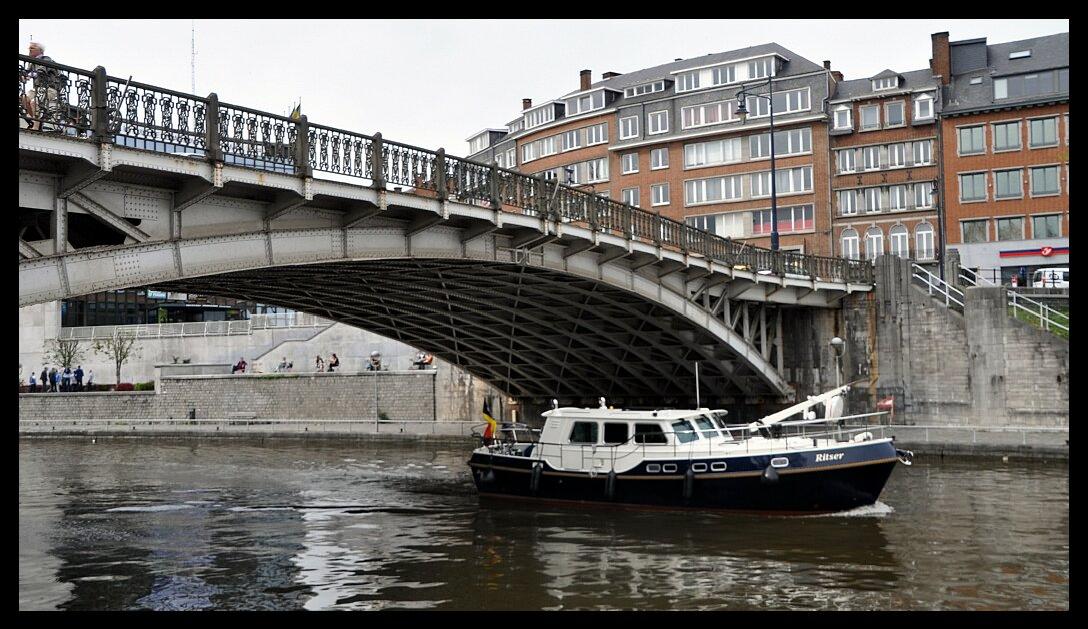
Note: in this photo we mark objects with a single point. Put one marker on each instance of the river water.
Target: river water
(230, 524)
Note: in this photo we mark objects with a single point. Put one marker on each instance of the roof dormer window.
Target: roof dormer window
(1020, 54)
(585, 102)
(886, 83)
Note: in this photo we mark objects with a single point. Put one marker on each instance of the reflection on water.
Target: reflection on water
(227, 525)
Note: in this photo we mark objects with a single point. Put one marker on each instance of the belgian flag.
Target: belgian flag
(492, 425)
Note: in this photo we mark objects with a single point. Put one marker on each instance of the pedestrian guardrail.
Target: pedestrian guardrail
(938, 288)
(1024, 308)
(197, 328)
(94, 106)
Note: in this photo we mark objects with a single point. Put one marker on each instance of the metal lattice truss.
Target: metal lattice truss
(532, 332)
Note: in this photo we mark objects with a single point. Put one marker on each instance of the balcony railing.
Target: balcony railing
(197, 328)
(97, 107)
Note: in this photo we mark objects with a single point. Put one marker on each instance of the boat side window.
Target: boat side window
(683, 431)
(719, 419)
(649, 433)
(584, 432)
(706, 428)
(615, 432)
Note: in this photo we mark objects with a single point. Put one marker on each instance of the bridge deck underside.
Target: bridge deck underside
(532, 332)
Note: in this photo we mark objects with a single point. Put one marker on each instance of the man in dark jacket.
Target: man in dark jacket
(79, 377)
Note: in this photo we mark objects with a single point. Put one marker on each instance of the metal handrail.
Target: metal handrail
(1046, 315)
(197, 328)
(952, 295)
(159, 119)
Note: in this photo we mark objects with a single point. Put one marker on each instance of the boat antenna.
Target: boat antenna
(697, 405)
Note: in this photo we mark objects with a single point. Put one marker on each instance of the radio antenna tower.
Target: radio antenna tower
(192, 57)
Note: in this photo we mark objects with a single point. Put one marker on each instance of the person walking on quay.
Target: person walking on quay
(53, 380)
(90, 378)
(33, 383)
(78, 374)
(319, 363)
(66, 380)
(44, 379)
(334, 362)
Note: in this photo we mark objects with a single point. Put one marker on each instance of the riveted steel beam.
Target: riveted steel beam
(79, 176)
(107, 217)
(27, 251)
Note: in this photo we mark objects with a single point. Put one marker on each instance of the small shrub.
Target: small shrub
(125, 386)
(145, 386)
(382, 416)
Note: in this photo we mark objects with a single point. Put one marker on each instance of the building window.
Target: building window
(723, 75)
(712, 189)
(659, 194)
(629, 196)
(687, 81)
(657, 122)
(1036, 84)
(973, 187)
(893, 114)
(787, 181)
(897, 198)
(628, 127)
(923, 241)
(1010, 228)
(843, 118)
(923, 195)
(1043, 132)
(923, 107)
(1044, 181)
(972, 140)
(714, 152)
(974, 231)
(870, 117)
(793, 142)
(899, 241)
(540, 148)
(784, 103)
(790, 219)
(847, 163)
(1048, 226)
(897, 155)
(761, 68)
(870, 157)
(874, 243)
(848, 203)
(648, 88)
(592, 171)
(585, 102)
(1007, 184)
(572, 140)
(630, 163)
(537, 117)
(886, 83)
(659, 158)
(597, 134)
(923, 152)
(850, 244)
(708, 114)
(872, 200)
(1067, 128)
(1007, 136)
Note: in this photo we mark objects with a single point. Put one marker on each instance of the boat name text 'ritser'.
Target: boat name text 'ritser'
(829, 457)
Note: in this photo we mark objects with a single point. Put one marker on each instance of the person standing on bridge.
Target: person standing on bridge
(44, 379)
(53, 380)
(90, 378)
(78, 374)
(44, 104)
(33, 383)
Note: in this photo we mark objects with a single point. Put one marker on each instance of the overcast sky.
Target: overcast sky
(432, 83)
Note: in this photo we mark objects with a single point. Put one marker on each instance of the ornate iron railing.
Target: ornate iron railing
(90, 104)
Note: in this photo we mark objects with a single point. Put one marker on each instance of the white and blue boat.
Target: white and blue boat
(691, 459)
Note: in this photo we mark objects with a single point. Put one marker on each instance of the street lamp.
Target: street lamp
(838, 348)
(742, 112)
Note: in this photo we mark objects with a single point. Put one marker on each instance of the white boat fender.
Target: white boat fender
(906, 457)
(534, 477)
(865, 436)
(770, 475)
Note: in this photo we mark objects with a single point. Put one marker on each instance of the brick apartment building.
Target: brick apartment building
(884, 144)
(668, 139)
(1005, 129)
(971, 154)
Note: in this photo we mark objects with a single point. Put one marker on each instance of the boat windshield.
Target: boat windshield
(719, 419)
(683, 431)
(706, 427)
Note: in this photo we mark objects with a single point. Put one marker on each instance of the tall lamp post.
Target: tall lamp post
(742, 112)
(838, 348)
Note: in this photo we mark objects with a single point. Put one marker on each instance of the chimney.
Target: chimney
(941, 63)
(608, 75)
(526, 103)
(837, 75)
(585, 80)
(827, 65)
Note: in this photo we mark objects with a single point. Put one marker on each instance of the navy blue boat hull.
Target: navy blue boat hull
(806, 485)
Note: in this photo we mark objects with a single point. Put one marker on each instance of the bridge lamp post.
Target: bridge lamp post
(838, 348)
(742, 112)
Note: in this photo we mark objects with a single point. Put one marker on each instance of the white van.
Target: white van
(1050, 277)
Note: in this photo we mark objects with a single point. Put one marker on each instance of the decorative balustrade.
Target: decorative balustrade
(93, 105)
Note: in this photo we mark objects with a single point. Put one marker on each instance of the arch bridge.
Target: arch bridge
(542, 289)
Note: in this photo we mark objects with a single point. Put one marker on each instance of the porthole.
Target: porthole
(653, 468)
(698, 467)
(717, 466)
(780, 461)
(668, 467)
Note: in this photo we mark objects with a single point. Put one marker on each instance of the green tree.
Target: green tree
(64, 352)
(118, 349)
